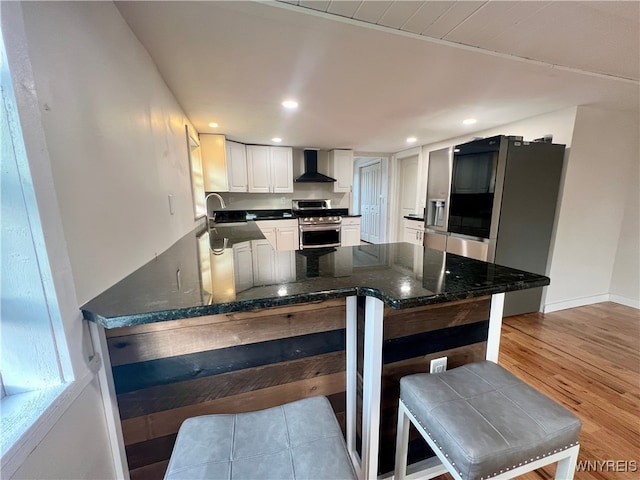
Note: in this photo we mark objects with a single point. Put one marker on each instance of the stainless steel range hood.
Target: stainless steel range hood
(311, 169)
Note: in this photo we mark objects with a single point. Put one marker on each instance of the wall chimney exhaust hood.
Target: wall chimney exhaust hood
(311, 169)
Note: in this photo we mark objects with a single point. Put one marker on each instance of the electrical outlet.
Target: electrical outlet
(438, 365)
(171, 211)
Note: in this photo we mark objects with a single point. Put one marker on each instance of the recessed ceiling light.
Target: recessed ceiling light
(469, 121)
(213, 125)
(290, 104)
(276, 140)
(412, 139)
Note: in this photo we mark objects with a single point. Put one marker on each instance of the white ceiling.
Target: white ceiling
(368, 74)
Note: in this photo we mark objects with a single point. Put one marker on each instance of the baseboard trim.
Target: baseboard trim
(629, 302)
(581, 302)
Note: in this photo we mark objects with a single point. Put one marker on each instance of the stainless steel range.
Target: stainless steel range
(320, 225)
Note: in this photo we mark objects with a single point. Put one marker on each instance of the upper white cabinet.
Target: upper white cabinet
(224, 164)
(341, 168)
(236, 166)
(214, 162)
(270, 169)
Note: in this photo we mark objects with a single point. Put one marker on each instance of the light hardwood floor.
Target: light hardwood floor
(588, 359)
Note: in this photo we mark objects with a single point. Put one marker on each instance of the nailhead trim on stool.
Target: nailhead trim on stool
(486, 421)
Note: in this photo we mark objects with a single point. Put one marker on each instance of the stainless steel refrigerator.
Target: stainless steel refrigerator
(495, 199)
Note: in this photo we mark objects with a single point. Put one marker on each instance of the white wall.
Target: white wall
(590, 231)
(106, 143)
(75, 447)
(116, 137)
(626, 269)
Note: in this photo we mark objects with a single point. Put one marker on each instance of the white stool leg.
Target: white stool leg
(402, 443)
(567, 466)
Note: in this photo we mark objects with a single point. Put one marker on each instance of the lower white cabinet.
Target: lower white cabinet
(255, 263)
(271, 266)
(350, 231)
(243, 266)
(413, 231)
(281, 234)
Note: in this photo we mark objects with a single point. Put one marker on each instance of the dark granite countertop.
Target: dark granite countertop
(413, 217)
(204, 274)
(232, 216)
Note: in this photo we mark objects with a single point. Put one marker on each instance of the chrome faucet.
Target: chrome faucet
(213, 194)
(212, 218)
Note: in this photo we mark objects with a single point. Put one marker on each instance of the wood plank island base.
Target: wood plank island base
(347, 325)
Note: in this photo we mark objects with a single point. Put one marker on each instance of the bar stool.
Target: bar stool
(295, 441)
(483, 422)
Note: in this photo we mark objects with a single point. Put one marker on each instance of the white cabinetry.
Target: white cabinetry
(264, 263)
(350, 232)
(236, 166)
(214, 163)
(270, 266)
(413, 231)
(281, 234)
(243, 266)
(269, 169)
(341, 168)
(287, 238)
(224, 164)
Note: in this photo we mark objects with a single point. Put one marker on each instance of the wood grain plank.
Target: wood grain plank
(234, 331)
(153, 471)
(225, 317)
(401, 323)
(179, 394)
(164, 371)
(167, 422)
(419, 344)
(152, 451)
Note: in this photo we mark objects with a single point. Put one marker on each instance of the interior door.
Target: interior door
(408, 188)
(370, 202)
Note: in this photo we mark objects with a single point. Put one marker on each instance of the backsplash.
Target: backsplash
(247, 201)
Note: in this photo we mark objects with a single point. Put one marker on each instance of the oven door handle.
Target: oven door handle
(319, 228)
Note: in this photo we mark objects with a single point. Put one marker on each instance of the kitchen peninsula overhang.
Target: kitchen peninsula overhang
(223, 323)
(401, 275)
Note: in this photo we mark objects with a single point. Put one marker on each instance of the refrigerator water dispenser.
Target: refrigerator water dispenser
(436, 213)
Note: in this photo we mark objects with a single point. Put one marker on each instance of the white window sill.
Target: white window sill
(26, 418)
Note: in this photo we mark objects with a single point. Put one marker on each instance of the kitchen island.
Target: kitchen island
(220, 323)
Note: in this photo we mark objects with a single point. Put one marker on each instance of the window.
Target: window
(34, 363)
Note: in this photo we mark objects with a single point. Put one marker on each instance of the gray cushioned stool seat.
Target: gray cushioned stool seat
(487, 420)
(298, 440)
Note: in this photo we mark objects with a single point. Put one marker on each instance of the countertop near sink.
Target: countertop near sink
(225, 235)
(402, 275)
(226, 216)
